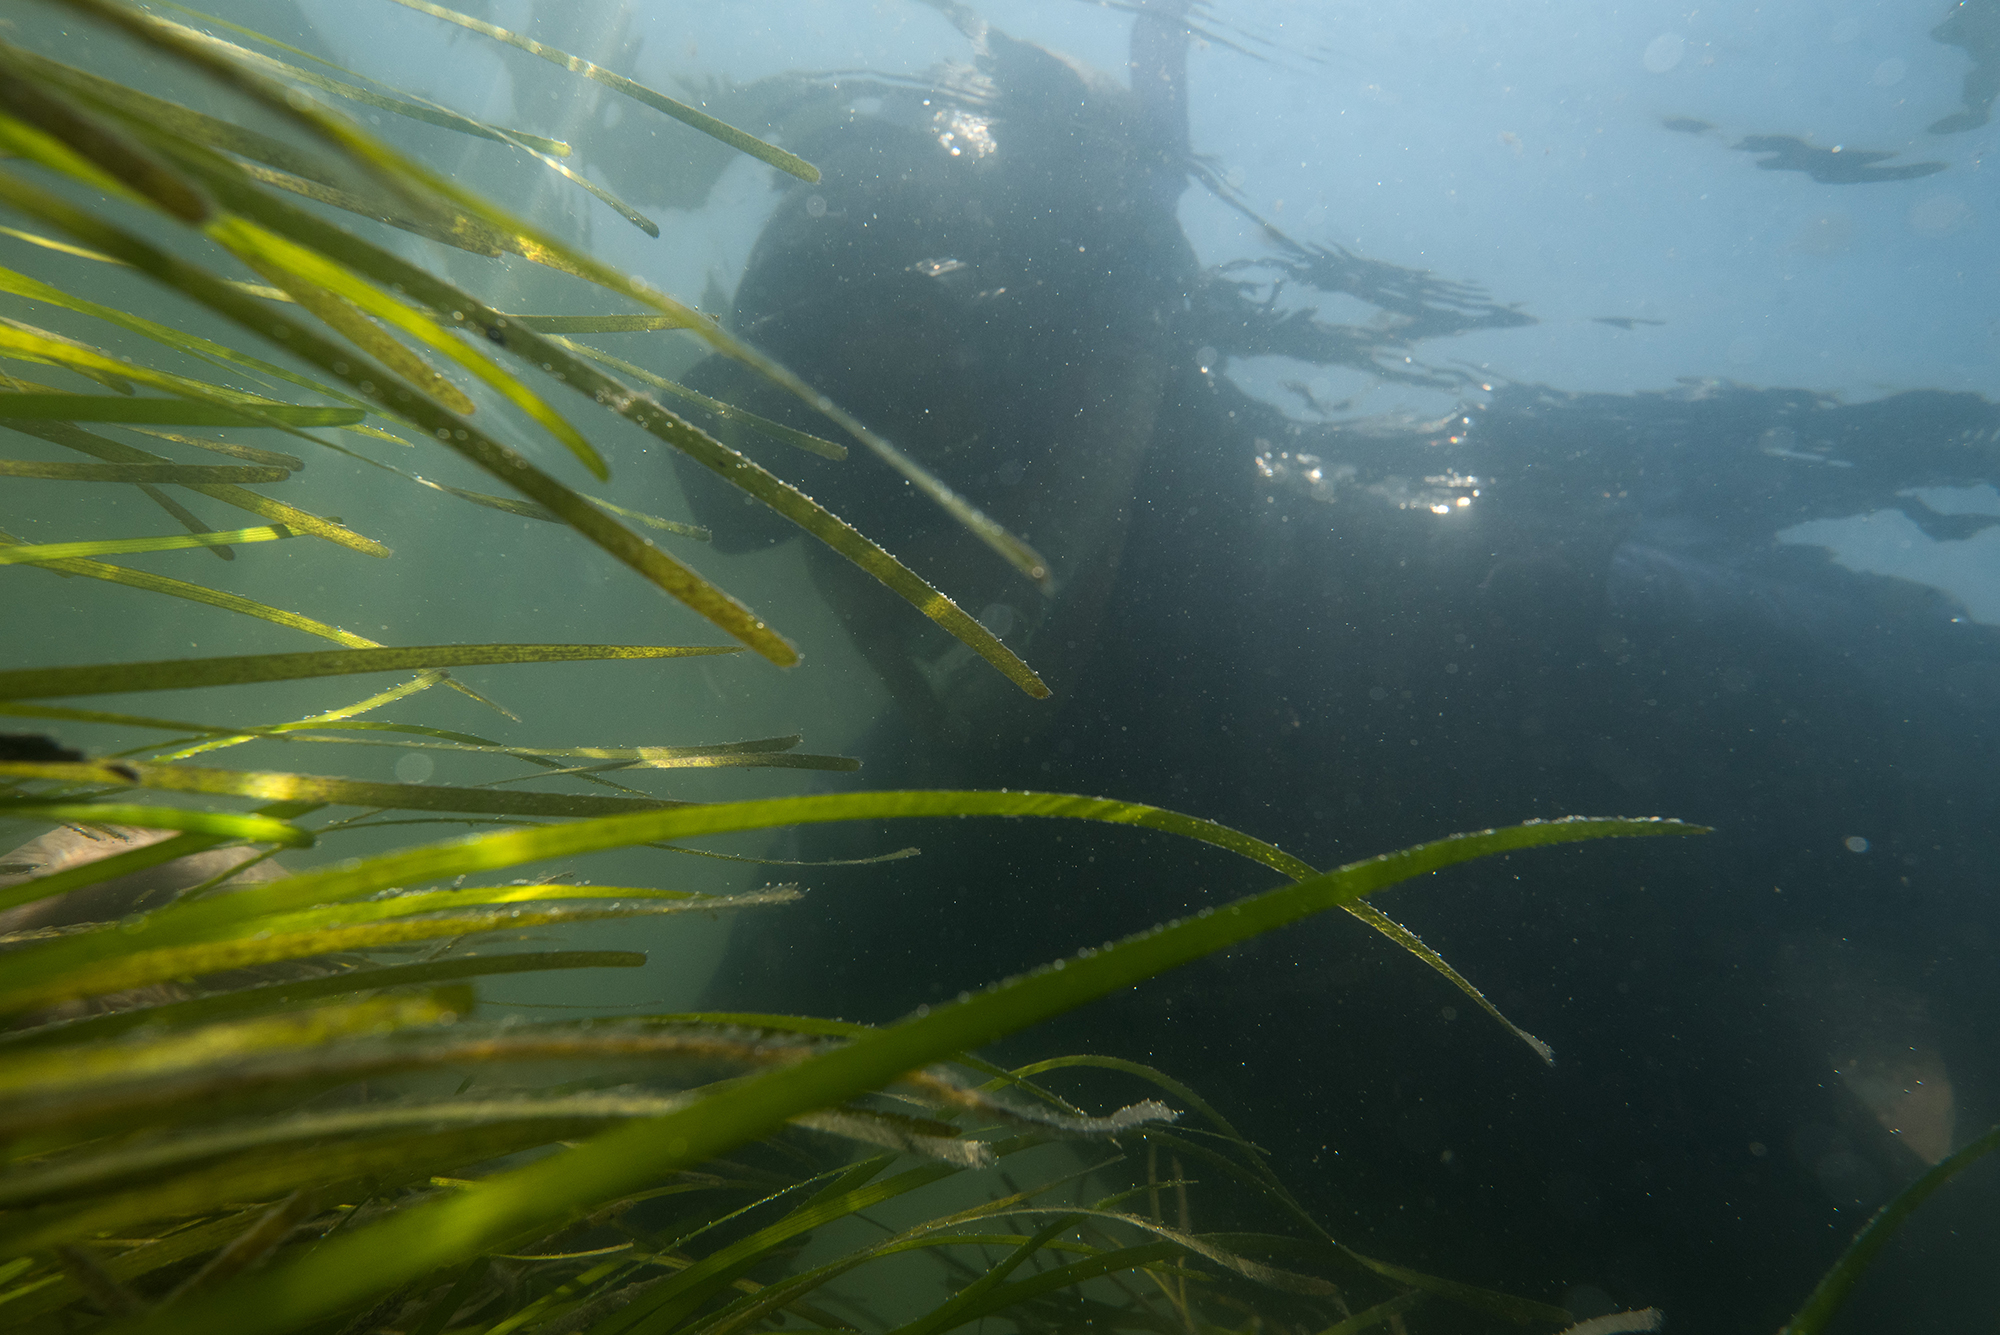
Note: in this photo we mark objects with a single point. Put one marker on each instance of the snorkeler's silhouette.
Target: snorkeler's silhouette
(1349, 637)
(1830, 166)
(992, 274)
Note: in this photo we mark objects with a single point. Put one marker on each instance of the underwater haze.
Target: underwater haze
(1432, 416)
(1548, 411)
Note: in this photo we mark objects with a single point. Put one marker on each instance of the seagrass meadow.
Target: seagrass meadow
(370, 752)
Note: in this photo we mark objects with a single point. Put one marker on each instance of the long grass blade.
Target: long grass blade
(250, 829)
(1831, 1292)
(196, 593)
(184, 673)
(132, 860)
(264, 507)
(671, 1299)
(164, 412)
(495, 851)
(656, 757)
(1101, 809)
(680, 1294)
(430, 113)
(552, 356)
(481, 896)
(63, 551)
(395, 1161)
(1505, 1305)
(545, 151)
(60, 247)
(268, 997)
(95, 1171)
(284, 256)
(299, 113)
(512, 506)
(194, 524)
(344, 318)
(1001, 1298)
(597, 324)
(201, 1072)
(673, 526)
(347, 1270)
(272, 162)
(207, 349)
(786, 1292)
(250, 1247)
(286, 787)
(109, 157)
(405, 104)
(734, 755)
(247, 453)
(40, 1074)
(295, 732)
(727, 412)
(58, 1291)
(141, 968)
(229, 407)
(1248, 1166)
(740, 472)
(61, 472)
(971, 1302)
(1376, 1315)
(1283, 1280)
(644, 557)
(680, 111)
(423, 681)
(410, 179)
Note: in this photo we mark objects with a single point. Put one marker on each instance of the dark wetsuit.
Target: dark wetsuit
(1613, 626)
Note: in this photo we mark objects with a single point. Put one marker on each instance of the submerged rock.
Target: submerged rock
(70, 846)
(107, 901)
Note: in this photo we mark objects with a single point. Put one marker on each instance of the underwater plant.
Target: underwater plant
(254, 1099)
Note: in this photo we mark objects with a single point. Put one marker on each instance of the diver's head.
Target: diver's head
(968, 247)
(987, 275)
